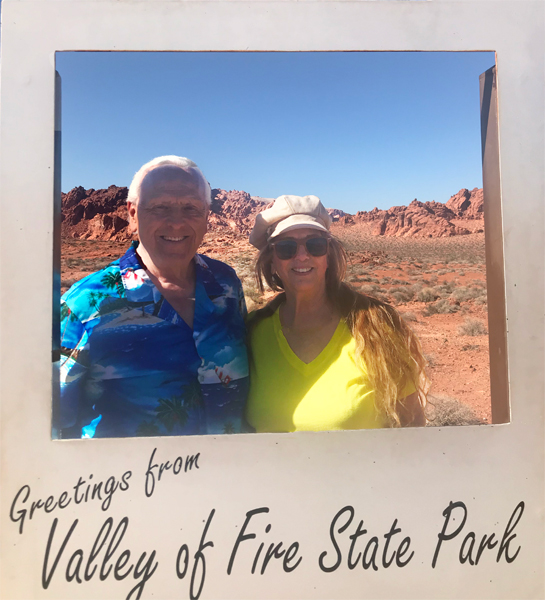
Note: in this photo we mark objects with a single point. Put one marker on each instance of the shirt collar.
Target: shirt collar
(206, 277)
(138, 284)
(129, 260)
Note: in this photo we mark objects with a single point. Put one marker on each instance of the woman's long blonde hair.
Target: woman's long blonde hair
(387, 350)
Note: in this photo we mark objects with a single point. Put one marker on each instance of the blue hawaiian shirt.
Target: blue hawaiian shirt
(131, 366)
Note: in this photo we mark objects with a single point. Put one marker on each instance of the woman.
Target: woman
(323, 356)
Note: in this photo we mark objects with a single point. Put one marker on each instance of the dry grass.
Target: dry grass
(427, 294)
(472, 327)
(441, 307)
(401, 295)
(416, 250)
(442, 411)
(463, 293)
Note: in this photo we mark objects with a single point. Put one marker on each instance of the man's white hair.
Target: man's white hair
(175, 161)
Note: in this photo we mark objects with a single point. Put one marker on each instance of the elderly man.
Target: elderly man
(153, 344)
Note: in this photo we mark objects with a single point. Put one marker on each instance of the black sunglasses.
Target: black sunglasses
(286, 249)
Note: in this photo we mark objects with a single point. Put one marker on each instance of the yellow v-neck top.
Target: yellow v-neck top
(286, 394)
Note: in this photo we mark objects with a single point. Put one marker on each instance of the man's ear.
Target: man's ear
(133, 223)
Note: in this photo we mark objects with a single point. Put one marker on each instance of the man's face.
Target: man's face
(170, 216)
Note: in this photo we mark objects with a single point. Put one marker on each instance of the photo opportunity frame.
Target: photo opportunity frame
(408, 513)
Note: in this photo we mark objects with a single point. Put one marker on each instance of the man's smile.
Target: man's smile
(170, 238)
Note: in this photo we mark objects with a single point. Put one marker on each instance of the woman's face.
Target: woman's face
(303, 273)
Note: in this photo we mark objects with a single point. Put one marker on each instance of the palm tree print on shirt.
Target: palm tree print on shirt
(175, 410)
(113, 280)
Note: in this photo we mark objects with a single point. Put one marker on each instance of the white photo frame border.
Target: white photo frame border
(409, 474)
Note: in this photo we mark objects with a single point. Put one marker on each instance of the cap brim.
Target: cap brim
(297, 222)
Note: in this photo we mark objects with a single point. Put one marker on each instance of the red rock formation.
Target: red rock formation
(419, 219)
(102, 214)
(336, 214)
(466, 204)
(427, 219)
(346, 220)
(95, 214)
(237, 209)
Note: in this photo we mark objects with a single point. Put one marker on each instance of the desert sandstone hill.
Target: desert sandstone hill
(102, 215)
(428, 219)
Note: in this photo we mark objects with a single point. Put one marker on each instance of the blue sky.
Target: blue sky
(357, 129)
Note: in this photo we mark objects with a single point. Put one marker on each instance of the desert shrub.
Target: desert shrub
(430, 359)
(398, 298)
(95, 264)
(482, 299)
(444, 412)
(68, 283)
(426, 294)
(370, 290)
(463, 294)
(445, 289)
(379, 295)
(462, 273)
(375, 291)
(431, 281)
(358, 268)
(252, 293)
(472, 327)
(416, 287)
(409, 316)
(441, 307)
(74, 262)
(245, 273)
(401, 294)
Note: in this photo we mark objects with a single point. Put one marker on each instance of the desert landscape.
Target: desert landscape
(427, 259)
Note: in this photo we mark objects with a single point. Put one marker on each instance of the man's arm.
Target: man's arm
(73, 371)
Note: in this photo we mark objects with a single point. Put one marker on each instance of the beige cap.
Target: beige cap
(286, 213)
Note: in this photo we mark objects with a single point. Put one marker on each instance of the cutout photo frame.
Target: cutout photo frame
(437, 512)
